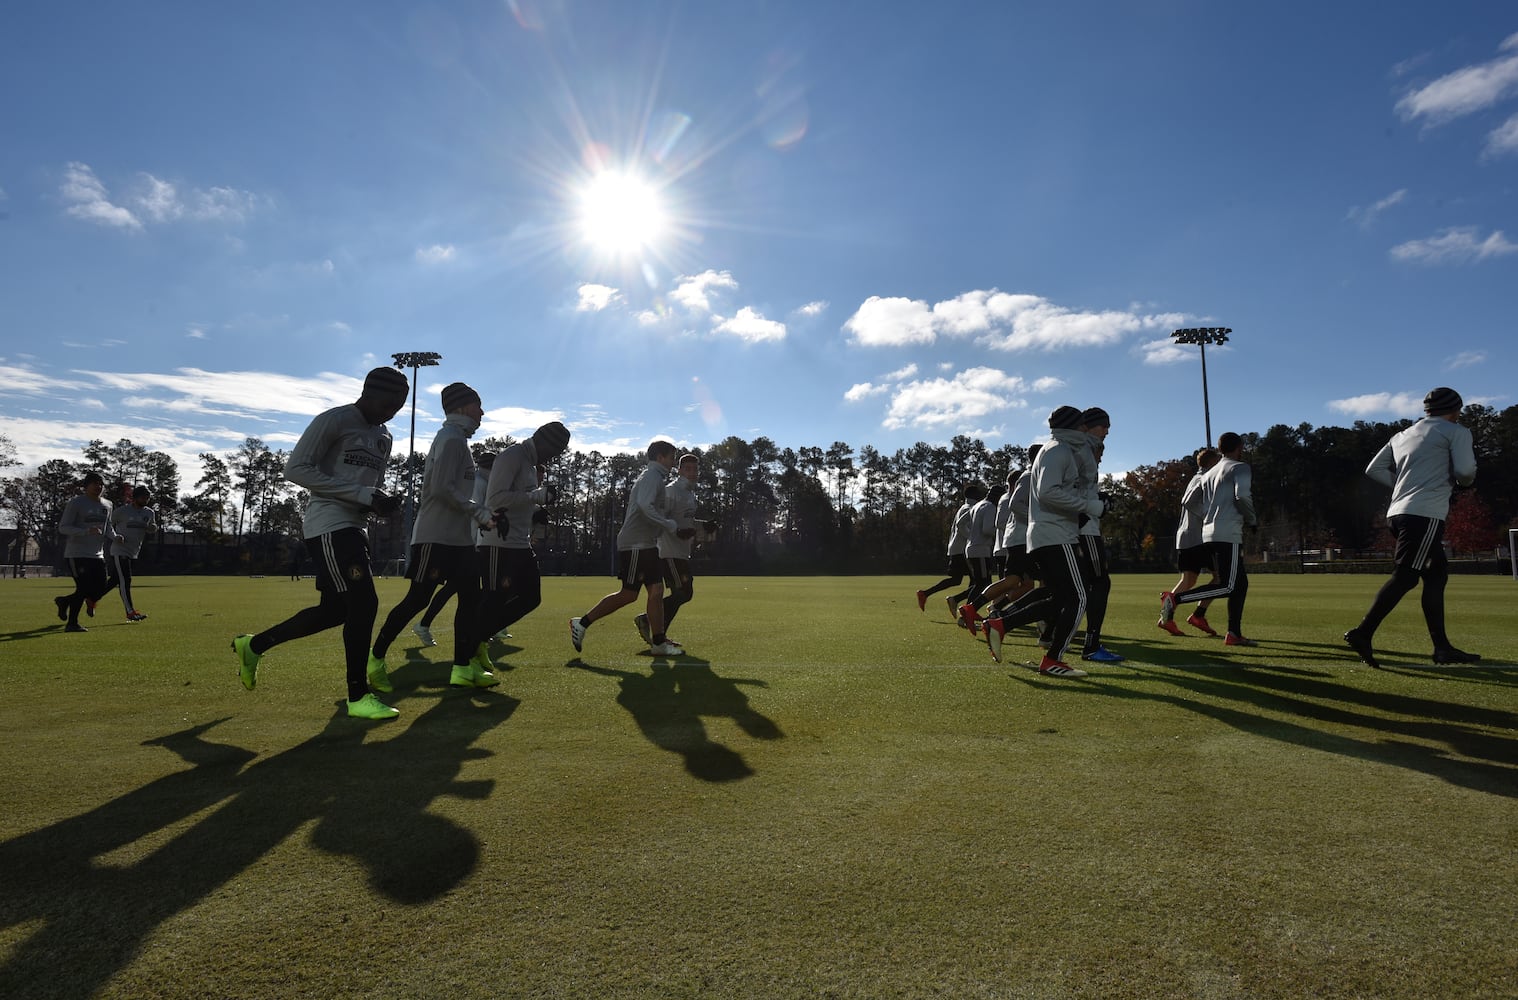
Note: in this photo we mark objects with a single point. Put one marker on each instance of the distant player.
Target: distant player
(85, 525)
(132, 523)
(1422, 465)
(675, 546)
(1227, 509)
(638, 565)
(958, 567)
(340, 460)
(1192, 556)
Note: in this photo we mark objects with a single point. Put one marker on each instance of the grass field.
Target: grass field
(835, 795)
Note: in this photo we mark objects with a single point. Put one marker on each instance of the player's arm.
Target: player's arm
(1462, 458)
(302, 467)
(1383, 468)
(1243, 498)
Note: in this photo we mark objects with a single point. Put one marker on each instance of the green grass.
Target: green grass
(834, 796)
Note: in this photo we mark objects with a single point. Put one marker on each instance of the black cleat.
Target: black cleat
(1449, 654)
(63, 610)
(1360, 643)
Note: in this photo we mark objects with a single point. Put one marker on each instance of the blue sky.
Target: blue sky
(870, 222)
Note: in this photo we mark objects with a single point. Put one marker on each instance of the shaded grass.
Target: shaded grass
(836, 795)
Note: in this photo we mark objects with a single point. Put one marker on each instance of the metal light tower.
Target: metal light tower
(412, 360)
(1202, 336)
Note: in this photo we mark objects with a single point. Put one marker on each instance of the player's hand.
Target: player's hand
(383, 504)
(502, 522)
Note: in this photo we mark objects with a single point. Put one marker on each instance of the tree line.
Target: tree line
(788, 510)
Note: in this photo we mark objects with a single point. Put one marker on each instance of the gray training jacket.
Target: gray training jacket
(448, 514)
(340, 459)
(1059, 495)
(1419, 463)
(645, 511)
(81, 515)
(1228, 505)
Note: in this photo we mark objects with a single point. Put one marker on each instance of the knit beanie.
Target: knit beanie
(550, 440)
(457, 395)
(1066, 418)
(1096, 417)
(1441, 401)
(386, 383)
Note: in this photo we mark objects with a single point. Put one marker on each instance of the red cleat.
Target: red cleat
(1199, 623)
(970, 618)
(922, 600)
(1170, 626)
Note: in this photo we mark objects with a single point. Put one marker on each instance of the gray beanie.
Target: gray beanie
(550, 440)
(457, 395)
(1066, 418)
(386, 382)
(1441, 401)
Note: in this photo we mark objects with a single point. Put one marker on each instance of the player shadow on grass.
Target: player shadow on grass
(369, 801)
(1399, 728)
(668, 704)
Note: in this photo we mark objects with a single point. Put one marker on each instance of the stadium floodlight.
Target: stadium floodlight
(1202, 336)
(412, 360)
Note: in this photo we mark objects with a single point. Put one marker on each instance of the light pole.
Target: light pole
(1202, 336)
(412, 360)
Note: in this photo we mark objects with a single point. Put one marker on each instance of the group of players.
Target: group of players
(472, 535)
(100, 540)
(1046, 529)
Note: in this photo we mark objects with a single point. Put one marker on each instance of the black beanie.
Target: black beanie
(1096, 417)
(550, 440)
(1441, 401)
(1066, 418)
(457, 395)
(386, 382)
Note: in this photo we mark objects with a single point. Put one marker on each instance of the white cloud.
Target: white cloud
(196, 333)
(436, 254)
(1390, 404)
(810, 309)
(29, 382)
(594, 298)
(1503, 139)
(1465, 359)
(749, 325)
(694, 291)
(234, 392)
(891, 322)
(1464, 91)
(997, 320)
(1363, 217)
(1456, 245)
(1166, 352)
(87, 199)
(1048, 383)
(220, 204)
(901, 373)
(159, 201)
(864, 390)
(969, 396)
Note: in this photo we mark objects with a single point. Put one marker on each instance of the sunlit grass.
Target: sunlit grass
(835, 795)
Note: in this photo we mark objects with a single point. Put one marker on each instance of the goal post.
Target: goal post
(1512, 549)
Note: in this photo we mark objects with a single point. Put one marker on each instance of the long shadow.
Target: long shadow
(1494, 769)
(669, 702)
(370, 802)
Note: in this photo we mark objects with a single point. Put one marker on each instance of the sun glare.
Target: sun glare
(620, 213)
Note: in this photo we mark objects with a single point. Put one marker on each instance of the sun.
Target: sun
(621, 214)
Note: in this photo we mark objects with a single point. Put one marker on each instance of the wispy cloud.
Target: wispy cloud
(1466, 90)
(85, 197)
(1465, 359)
(1503, 139)
(437, 253)
(998, 320)
(594, 298)
(1455, 245)
(812, 309)
(154, 199)
(864, 390)
(1379, 404)
(1364, 217)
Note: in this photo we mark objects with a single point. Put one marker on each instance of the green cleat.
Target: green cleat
(370, 707)
(481, 658)
(469, 675)
(247, 661)
(379, 677)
